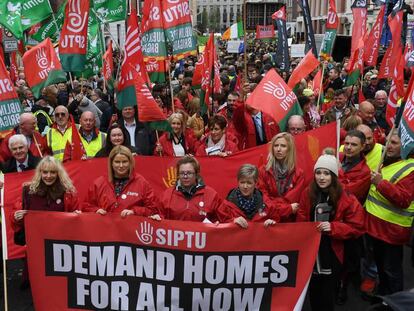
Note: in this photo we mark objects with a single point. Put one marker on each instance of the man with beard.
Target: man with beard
(373, 150)
(390, 211)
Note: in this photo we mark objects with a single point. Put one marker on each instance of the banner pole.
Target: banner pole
(245, 39)
(37, 146)
(318, 107)
(171, 89)
(4, 242)
(158, 141)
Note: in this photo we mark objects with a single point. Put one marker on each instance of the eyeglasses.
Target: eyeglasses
(295, 129)
(186, 174)
(60, 114)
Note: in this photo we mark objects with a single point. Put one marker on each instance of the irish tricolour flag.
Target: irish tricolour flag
(235, 31)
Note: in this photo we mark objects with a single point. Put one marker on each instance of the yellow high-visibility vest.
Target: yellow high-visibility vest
(95, 145)
(57, 141)
(373, 157)
(380, 207)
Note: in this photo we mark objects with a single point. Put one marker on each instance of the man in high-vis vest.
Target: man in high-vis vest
(373, 150)
(60, 132)
(92, 139)
(390, 211)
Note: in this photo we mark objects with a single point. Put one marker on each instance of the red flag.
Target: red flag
(359, 13)
(148, 109)
(108, 63)
(77, 150)
(332, 20)
(392, 105)
(273, 96)
(372, 43)
(42, 67)
(316, 83)
(132, 54)
(74, 36)
(281, 14)
(390, 60)
(265, 31)
(305, 67)
(14, 73)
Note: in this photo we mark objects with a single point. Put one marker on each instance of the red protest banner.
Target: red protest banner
(265, 31)
(219, 173)
(139, 264)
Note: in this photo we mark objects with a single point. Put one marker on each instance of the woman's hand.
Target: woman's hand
(324, 226)
(222, 154)
(19, 215)
(155, 217)
(126, 212)
(101, 211)
(295, 207)
(375, 178)
(77, 212)
(242, 222)
(269, 222)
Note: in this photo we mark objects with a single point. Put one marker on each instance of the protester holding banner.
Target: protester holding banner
(247, 203)
(280, 180)
(339, 217)
(217, 142)
(50, 190)
(191, 199)
(123, 192)
(115, 137)
(179, 142)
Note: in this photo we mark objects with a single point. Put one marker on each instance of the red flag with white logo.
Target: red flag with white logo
(316, 83)
(14, 73)
(392, 105)
(73, 40)
(273, 96)
(305, 67)
(372, 43)
(108, 63)
(148, 109)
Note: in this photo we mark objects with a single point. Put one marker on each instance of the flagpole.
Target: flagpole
(318, 107)
(71, 80)
(54, 19)
(158, 141)
(4, 242)
(245, 39)
(37, 146)
(171, 89)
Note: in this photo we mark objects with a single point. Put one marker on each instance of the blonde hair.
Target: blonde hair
(122, 150)
(53, 164)
(290, 160)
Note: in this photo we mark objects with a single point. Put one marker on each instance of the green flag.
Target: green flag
(34, 11)
(51, 27)
(10, 17)
(110, 10)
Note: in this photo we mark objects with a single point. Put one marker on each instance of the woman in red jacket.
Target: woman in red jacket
(246, 203)
(339, 217)
(50, 190)
(123, 192)
(280, 180)
(178, 143)
(217, 141)
(191, 199)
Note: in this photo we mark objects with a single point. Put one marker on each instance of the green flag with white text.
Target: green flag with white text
(51, 27)
(110, 10)
(34, 11)
(10, 17)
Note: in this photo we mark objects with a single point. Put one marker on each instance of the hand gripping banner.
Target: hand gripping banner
(110, 263)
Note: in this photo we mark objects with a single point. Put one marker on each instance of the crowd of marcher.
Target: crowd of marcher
(364, 214)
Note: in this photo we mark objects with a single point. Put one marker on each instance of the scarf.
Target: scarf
(189, 192)
(119, 185)
(282, 177)
(215, 148)
(247, 205)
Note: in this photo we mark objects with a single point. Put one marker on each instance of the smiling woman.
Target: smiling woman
(123, 192)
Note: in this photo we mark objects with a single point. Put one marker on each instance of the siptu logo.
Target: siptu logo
(41, 58)
(277, 90)
(145, 236)
(76, 22)
(171, 178)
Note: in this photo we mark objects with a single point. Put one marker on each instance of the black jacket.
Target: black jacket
(10, 165)
(144, 137)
